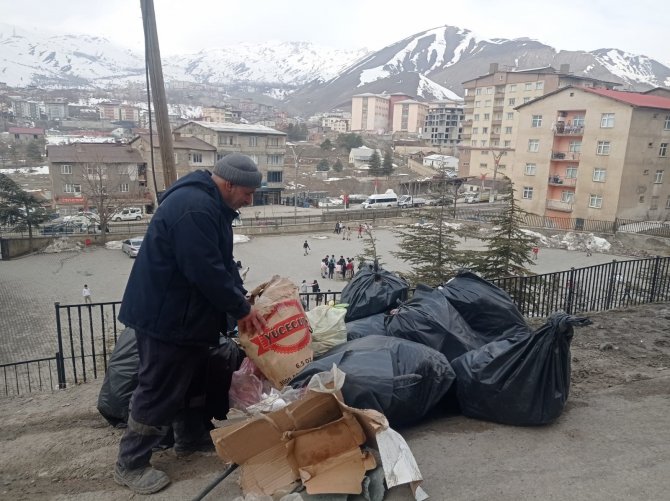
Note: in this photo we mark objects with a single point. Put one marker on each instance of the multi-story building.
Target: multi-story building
(190, 153)
(409, 116)
(86, 175)
(600, 154)
(109, 110)
(490, 117)
(23, 108)
(25, 134)
(337, 123)
(443, 123)
(266, 146)
(56, 109)
(370, 113)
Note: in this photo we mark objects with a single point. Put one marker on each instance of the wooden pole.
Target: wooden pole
(153, 61)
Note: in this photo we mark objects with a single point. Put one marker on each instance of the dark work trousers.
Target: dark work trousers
(170, 391)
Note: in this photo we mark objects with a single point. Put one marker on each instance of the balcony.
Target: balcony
(556, 180)
(568, 130)
(559, 205)
(498, 108)
(466, 135)
(565, 156)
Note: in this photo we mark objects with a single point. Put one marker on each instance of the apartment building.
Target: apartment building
(490, 117)
(443, 123)
(190, 154)
(56, 109)
(220, 114)
(266, 146)
(83, 175)
(336, 123)
(370, 113)
(409, 116)
(598, 154)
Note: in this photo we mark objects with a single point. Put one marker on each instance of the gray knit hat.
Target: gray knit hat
(239, 169)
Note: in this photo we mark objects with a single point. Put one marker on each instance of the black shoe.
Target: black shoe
(145, 480)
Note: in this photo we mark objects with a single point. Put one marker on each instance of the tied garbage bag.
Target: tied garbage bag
(328, 327)
(120, 379)
(373, 290)
(374, 325)
(523, 380)
(399, 378)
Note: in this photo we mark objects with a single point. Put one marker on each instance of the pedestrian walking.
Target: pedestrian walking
(86, 293)
(181, 289)
(324, 268)
(331, 267)
(588, 250)
(536, 251)
(306, 248)
(304, 290)
(317, 290)
(360, 231)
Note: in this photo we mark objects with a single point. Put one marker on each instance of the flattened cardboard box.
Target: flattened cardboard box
(317, 440)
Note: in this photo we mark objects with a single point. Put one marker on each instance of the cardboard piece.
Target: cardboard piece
(283, 348)
(316, 440)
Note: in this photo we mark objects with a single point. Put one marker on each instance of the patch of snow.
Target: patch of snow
(240, 239)
(43, 170)
(62, 245)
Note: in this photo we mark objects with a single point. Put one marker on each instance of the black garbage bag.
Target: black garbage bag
(486, 308)
(523, 380)
(372, 290)
(399, 378)
(428, 318)
(120, 379)
(373, 325)
(223, 361)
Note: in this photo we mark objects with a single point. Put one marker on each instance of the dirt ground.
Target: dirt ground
(611, 443)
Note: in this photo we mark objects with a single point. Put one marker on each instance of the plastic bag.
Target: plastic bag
(120, 379)
(399, 378)
(246, 388)
(373, 325)
(328, 328)
(373, 290)
(523, 380)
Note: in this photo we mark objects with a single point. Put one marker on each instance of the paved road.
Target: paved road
(29, 286)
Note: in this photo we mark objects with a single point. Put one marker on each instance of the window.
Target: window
(195, 158)
(489, 90)
(571, 173)
(72, 188)
(575, 146)
(578, 121)
(487, 116)
(508, 144)
(653, 204)
(539, 85)
(478, 91)
(568, 197)
(483, 143)
(483, 166)
(666, 125)
(226, 140)
(607, 120)
(603, 148)
(274, 176)
(658, 177)
(530, 169)
(485, 130)
(528, 192)
(534, 145)
(485, 152)
(67, 169)
(528, 86)
(595, 201)
(508, 130)
(667, 203)
(487, 103)
(536, 121)
(510, 115)
(511, 101)
(475, 130)
(124, 188)
(473, 143)
(253, 141)
(599, 175)
(662, 151)
(526, 99)
(273, 141)
(478, 103)
(176, 158)
(476, 117)
(512, 87)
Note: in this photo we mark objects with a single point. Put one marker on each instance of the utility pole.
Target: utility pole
(296, 158)
(153, 61)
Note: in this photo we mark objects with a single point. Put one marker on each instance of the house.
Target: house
(441, 162)
(266, 146)
(360, 157)
(85, 175)
(25, 134)
(594, 153)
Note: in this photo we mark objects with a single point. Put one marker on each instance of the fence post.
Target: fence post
(60, 362)
(612, 285)
(654, 278)
(571, 291)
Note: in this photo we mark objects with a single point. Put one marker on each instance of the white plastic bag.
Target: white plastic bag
(328, 327)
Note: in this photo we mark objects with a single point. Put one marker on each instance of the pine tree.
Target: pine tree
(430, 248)
(387, 164)
(326, 145)
(369, 254)
(375, 164)
(323, 165)
(19, 208)
(337, 166)
(508, 247)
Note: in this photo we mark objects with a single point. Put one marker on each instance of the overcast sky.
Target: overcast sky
(639, 27)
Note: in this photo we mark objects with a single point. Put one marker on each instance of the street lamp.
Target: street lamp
(296, 158)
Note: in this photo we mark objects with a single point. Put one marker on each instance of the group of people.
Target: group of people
(345, 231)
(342, 268)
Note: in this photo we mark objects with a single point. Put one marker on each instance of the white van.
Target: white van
(388, 199)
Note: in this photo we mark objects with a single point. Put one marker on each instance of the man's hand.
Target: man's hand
(253, 322)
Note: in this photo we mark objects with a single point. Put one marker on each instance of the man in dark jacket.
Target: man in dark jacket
(182, 286)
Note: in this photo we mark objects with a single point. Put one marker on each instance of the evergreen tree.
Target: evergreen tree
(326, 145)
(19, 209)
(430, 248)
(369, 254)
(375, 164)
(349, 141)
(508, 247)
(33, 151)
(337, 166)
(323, 165)
(387, 164)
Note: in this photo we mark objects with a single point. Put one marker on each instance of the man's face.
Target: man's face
(237, 196)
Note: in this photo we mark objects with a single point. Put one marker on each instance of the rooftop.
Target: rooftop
(108, 153)
(232, 127)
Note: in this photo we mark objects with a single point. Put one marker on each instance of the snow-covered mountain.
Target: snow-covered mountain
(429, 65)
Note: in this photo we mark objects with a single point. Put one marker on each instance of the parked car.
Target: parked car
(63, 228)
(132, 246)
(129, 214)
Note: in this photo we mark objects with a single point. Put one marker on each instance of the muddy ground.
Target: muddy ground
(611, 443)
